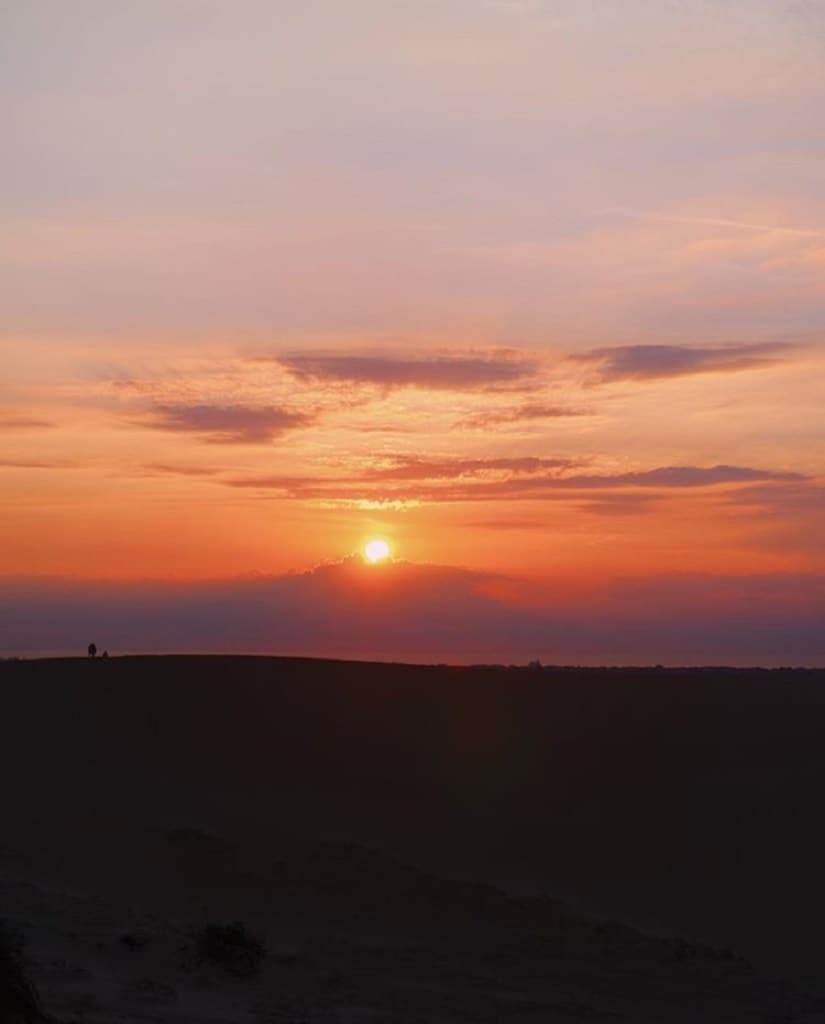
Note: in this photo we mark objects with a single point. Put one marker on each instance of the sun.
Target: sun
(376, 550)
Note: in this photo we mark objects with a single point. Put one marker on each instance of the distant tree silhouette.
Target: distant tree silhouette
(105, 654)
(92, 650)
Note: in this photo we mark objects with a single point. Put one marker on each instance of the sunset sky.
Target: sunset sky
(534, 290)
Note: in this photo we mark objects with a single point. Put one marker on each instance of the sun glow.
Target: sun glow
(376, 550)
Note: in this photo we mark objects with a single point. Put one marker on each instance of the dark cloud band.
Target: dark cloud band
(647, 362)
(228, 424)
(466, 372)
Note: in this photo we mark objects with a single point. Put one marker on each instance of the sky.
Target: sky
(534, 290)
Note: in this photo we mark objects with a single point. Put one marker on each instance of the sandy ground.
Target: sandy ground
(351, 936)
(144, 798)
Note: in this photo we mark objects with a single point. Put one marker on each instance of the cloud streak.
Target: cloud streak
(685, 476)
(650, 362)
(529, 412)
(228, 424)
(166, 469)
(415, 480)
(37, 464)
(24, 423)
(715, 222)
(459, 372)
(410, 467)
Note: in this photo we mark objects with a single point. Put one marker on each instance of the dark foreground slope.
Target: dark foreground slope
(685, 802)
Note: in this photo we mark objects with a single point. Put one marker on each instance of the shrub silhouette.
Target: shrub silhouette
(19, 1003)
(92, 650)
(231, 947)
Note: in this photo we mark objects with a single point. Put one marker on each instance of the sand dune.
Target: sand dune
(143, 797)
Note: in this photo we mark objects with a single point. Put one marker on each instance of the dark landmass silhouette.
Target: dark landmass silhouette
(416, 843)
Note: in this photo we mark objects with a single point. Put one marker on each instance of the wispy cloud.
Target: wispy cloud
(37, 464)
(621, 503)
(531, 411)
(715, 222)
(550, 486)
(457, 372)
(410, 467)
(647, 362)
(378, 428)
(790, 515)
(24, 423)
(432, 481)
(395, 468)
(166, 469)
(685, 476)
(507, 524)
(228, 424)
(803, 496)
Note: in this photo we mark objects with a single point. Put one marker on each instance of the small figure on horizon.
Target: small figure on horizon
(92, 650)
(105, 654)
